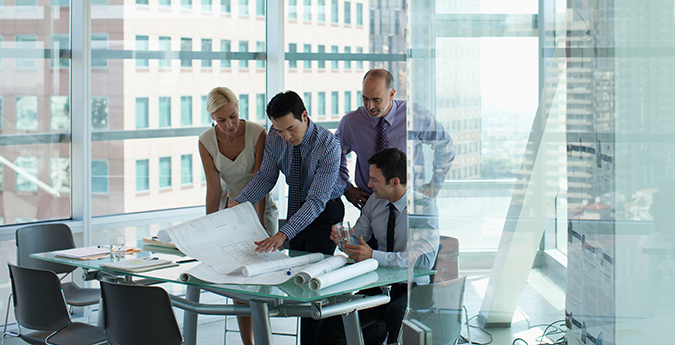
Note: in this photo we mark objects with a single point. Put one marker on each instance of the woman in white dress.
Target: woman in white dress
(232, 152)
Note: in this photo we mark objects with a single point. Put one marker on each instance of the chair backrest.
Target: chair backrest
(38, 300)
(443, 313)
(43, 238)
(137, 314)
(447, 260)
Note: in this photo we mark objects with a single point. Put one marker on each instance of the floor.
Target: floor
(542, 303)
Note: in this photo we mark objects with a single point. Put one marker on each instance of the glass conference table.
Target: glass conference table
(282, 300)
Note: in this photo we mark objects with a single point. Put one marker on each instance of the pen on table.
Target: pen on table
(227, 200)
(288, 273)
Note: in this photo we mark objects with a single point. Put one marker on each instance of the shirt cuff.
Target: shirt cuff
(380, 256)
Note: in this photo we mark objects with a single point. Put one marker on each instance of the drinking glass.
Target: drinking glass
(117, 248)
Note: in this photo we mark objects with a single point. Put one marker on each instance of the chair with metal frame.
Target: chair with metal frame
(39, 305)
(46, 238)
(138, 315)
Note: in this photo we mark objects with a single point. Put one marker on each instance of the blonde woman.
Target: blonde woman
(231, 152)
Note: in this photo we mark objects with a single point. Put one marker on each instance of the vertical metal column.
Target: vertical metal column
(80, 104)
(190, 318)
(261, 322)
(353, 333)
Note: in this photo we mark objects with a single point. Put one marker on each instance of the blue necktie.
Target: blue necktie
(390, 227)
(382, 141)
(294, 183)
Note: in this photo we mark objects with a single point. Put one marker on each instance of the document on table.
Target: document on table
(334, 277)
(326, 265)
(224, 240)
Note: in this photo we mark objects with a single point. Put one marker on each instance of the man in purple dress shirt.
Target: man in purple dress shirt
(358, 131)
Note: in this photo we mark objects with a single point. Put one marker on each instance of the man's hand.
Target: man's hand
(271, 243)
(359, 252)
(333, 233)
(429, 190)
(232, 203)
(357, 197)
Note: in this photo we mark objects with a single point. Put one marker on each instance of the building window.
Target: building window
(260, 8)
(292, 48)
(164, 3)
(185, 45)
(141, 2)
(260, 48)
(322, 103)
(307, 11)
(99, 113)
(308, 102)
(243, 47)
(359, 63)
(260, 107)
(142, 112)
(321, 11)
(207, 5)
(165, 46)
(359, 14)
(243, 7)
(186, 111)
(206, 117)
(58, 42)
(348, 12)
(334, 11)
(308, 62)
(26, 42)
(164, 111)
(59, 174)
(334, 63)
(185, 169)
(225, 6)
(142, 175)
(334, 99)
(29, 168)
(348, 64)
(322, 62)
(142, 44)
(59, 113)
(99, 176)
(243, 106)
(186, 4)
(99, 41)
(293, 9)
(164, 172)
(359, 97)
(348, 101)
(225, 46)
(26, 112)
(1, 113)
(206, 47)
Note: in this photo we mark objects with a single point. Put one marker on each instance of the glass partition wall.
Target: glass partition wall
(559, 112)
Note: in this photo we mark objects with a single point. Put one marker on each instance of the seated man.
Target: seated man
(385, 217)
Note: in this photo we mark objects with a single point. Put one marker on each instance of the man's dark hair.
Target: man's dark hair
(392, 162)
(381, 73)
(284, 103)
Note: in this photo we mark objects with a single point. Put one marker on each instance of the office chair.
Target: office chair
(443, 312)
(138, 315)
(39, 305)
(47, 238)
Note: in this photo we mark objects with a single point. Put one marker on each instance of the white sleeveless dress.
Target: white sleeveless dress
(235, 175)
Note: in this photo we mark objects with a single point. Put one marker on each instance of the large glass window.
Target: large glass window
(334, 11)
(142, 175)
(348, 12)
(243, 47)
(206, 47)
(164, 172)
(260, 107)
(321, 11)
(186, 45)
(142, 44)
(243, 7)
(186, 169)
(164, 111)
(186, 111)
(243, 106)
(165, 46)
(307, 10)
(292, 9)
(142, 112)
(225, 46)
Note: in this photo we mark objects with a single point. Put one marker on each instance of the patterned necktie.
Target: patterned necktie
(390, 227)
(382, 141)
(294, 183)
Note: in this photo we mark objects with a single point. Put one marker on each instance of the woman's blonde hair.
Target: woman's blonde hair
(218, 97)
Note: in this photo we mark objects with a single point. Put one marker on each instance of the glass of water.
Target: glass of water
(344, 235)
(117, 248)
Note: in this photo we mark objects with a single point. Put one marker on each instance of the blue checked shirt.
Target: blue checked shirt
(319, 180)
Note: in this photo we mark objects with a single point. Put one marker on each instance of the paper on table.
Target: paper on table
(326, 265)
(83, 252)
(282, 264)
(206, 273)
(223, 239)
(342, 274)
(141, 264)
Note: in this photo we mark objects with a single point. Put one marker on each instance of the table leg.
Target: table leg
(260, 316)
(190, 318)
(353, 333)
